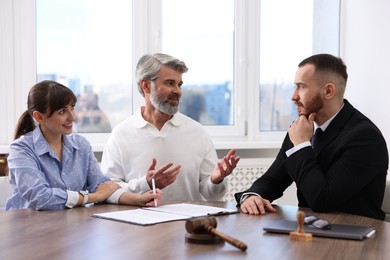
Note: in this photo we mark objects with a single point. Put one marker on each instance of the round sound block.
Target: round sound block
(203, 239)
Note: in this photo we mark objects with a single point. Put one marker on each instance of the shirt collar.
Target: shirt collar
(327, 123)
(140, 122)
(69, 142)
(42, 146)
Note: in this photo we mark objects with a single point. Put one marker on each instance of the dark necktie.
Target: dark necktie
(317, 136)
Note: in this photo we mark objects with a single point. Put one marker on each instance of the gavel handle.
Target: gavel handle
(227, 238)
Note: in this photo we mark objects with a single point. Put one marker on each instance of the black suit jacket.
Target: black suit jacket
(345, 172)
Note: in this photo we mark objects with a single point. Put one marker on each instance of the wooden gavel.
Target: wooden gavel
(208, 225)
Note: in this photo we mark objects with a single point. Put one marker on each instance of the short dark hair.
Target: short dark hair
(327, 62)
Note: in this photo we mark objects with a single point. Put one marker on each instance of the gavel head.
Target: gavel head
(200, 225)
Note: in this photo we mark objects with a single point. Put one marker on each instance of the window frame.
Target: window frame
(325, 30)
(150, 42)
(18, 68)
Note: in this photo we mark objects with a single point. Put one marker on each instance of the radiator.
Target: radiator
(246, 172)
(249, 170)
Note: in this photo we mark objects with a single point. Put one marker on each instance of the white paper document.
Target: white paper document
(165, 213)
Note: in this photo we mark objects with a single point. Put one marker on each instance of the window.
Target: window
(242, 57)
(87, 46)
(285, 38)
(289, 32)
(202, 34)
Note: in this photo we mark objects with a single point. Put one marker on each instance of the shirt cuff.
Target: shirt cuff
(216, 184)
(114, 198)
(73, 198)
(144, 185)
(297, 148)
(246, 195)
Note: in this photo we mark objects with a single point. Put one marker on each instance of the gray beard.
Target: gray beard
(161, 105)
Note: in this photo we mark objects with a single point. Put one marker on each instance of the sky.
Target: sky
(91, 39)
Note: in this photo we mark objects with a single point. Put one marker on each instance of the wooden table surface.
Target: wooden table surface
(74, 234)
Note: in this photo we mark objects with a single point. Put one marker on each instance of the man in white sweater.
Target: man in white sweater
(161, 143)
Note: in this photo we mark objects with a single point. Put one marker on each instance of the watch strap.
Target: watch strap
(85, 196)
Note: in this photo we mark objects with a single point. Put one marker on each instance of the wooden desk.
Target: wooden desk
(74, 234)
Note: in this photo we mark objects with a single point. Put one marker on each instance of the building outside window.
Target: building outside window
(87, 46)
(242, 57)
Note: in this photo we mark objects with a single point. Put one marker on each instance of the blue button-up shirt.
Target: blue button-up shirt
(41, 181)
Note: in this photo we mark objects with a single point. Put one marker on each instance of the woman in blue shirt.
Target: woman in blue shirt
(52, 169)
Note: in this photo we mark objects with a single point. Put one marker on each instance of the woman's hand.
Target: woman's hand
(145, 199)
(105, 190)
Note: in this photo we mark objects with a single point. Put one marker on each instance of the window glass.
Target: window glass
(286, 38)
(201, 33)
(87, 46)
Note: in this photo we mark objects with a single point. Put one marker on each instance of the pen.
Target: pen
(154, 191)
(221, 213)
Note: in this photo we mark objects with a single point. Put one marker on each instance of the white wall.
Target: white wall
(365, 48)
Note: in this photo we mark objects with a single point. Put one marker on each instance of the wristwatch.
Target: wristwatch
(85, 196)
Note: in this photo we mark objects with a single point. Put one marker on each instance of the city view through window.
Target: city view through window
(93, 57)
(90, 55)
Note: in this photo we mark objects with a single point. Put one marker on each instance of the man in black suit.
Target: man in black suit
(344, 170)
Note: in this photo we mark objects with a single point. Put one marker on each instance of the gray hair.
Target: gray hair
(149, 66)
